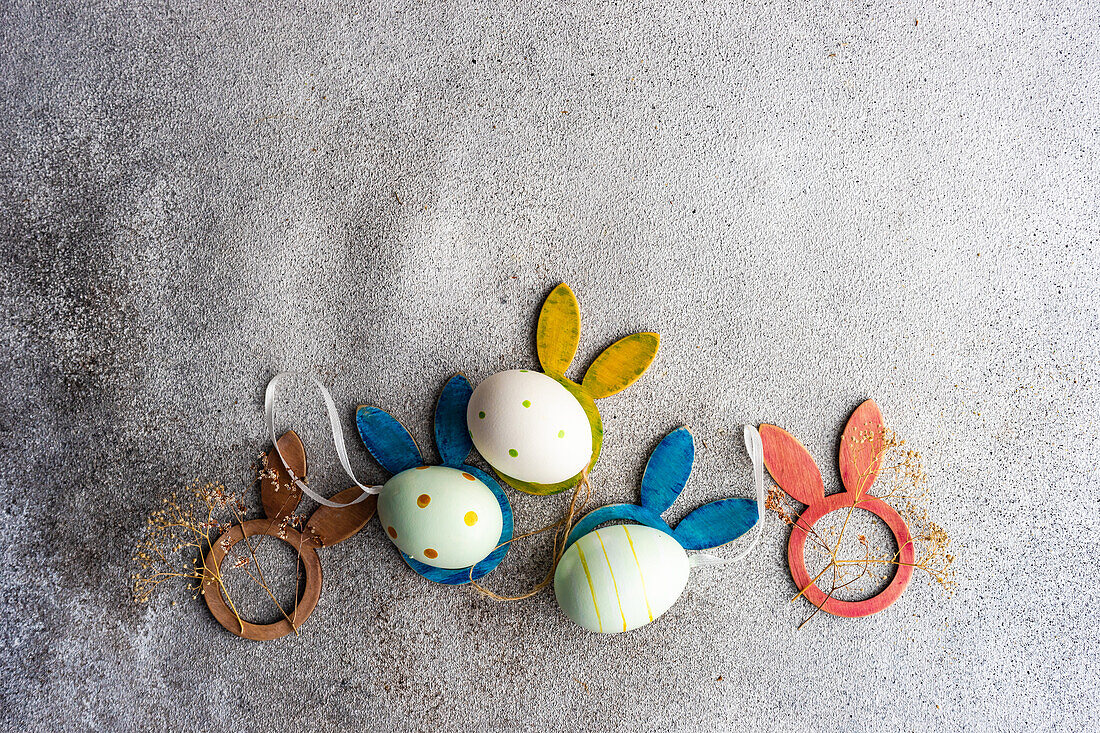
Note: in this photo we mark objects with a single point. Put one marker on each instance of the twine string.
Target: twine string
(561, 538)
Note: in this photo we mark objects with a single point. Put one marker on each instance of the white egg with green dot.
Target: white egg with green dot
(529, 427)
(443, 517)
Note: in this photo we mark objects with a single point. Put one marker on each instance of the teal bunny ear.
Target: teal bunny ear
(716, 523)
(667, 471)
(616, 512)
(387, 440)
(452, 437)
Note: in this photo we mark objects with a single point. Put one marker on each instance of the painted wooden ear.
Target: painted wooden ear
(559, 330)
(620, 365)
(452, 437)
(791, 465)
(666, 473)
(716, 523)
(330, 525)
(387, 440)
(278, 494)
(616, 512)
(861, 449)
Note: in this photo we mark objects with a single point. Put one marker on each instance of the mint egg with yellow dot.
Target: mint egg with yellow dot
(540, 430)
(451, 523)
(441, 516)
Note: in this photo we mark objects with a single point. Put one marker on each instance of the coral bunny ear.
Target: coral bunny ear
(666, 472)
(559, 330)
(278, 494)
(861, 448)
(387, 440)
(791, 465)
(452, 437)
(621, 364)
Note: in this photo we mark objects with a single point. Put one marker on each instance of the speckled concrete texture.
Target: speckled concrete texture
(812, 202)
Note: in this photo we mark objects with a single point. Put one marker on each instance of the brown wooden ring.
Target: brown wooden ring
(215, 600)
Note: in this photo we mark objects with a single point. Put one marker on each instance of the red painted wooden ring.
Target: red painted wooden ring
(215, 601)
(796, 559)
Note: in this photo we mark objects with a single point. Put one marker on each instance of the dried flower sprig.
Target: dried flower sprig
(180, 535)
(900, 478)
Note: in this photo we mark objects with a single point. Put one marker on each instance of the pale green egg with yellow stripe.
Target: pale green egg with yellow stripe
(620, 577)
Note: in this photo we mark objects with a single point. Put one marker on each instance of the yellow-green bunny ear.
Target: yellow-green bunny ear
(620, 364)
(559, 330)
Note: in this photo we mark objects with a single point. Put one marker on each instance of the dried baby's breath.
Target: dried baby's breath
(901, 478)
(180, 535)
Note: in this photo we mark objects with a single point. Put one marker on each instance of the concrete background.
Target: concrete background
(812, 202)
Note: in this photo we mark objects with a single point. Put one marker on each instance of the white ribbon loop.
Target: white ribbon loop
(755, 447)
(337, 440)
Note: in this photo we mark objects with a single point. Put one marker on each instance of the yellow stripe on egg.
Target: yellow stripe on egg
(591, 587)
(614, 583)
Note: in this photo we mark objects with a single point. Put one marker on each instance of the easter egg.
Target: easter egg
(621, 577)
(441, 516)
(529, 427)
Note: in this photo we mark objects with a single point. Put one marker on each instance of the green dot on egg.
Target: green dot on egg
(561, 433)
(527, 403)
(481, 415)
(513, 452)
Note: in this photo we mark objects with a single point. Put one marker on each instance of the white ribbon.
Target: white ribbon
(755, 447)
(337, 440)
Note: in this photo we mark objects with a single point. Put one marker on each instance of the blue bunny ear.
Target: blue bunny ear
(451, 434)
(613, 512)
(716, 523)
(667, 471)
(387, 440)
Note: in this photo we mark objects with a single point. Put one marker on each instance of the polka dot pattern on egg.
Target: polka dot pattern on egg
(534, 429)
(441, 516)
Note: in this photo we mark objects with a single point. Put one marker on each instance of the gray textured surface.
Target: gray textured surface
(812, 203)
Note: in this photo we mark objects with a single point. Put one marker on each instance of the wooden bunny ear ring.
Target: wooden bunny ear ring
(666, 474)
(327, 526)
(451, 523)
(794, 470)
(614, 579)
